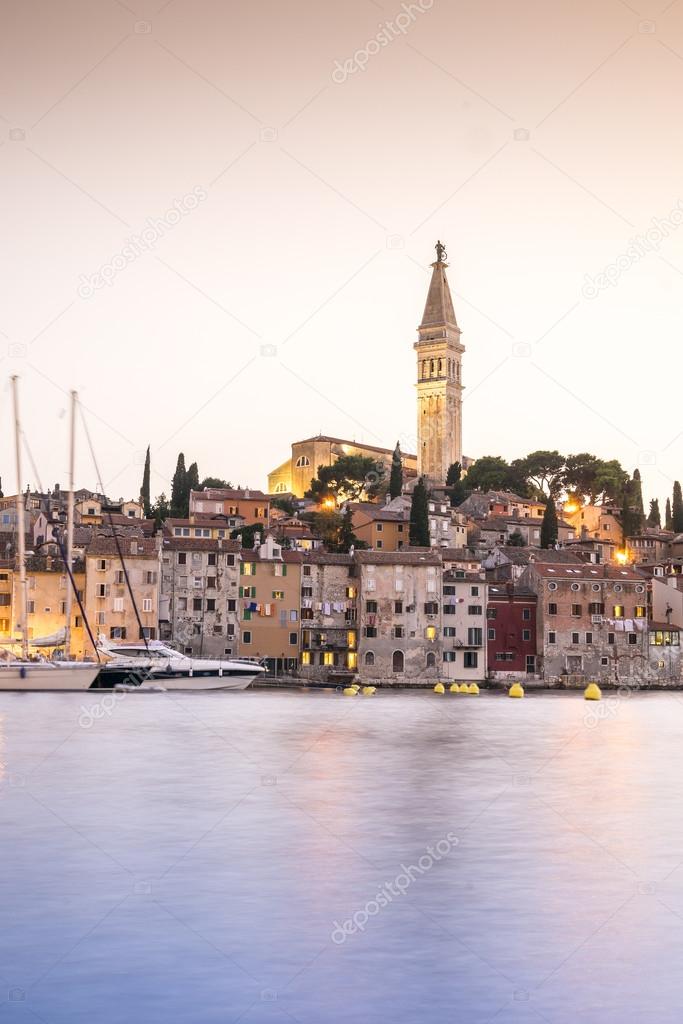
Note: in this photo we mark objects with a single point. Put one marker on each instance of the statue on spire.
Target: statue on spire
(441, 253)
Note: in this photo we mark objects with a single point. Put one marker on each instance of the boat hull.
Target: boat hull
(204, 681)
(39, 677)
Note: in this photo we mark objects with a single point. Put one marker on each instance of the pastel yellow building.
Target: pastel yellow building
(294, 476)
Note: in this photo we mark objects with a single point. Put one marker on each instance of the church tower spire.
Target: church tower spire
(439, 379)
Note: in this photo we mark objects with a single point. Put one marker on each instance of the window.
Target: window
(589, 638)
(552, 637)
(474, 591)
(211, 582)
(398, 607)
(449, 631)
(302, 462)
(328, 658)
(474, 609)
(351, 592)
(232, 604)
(118, 604)
(604, 661)
(370, 632)
(119, 576)
(182, 604)
(196, 604)
(211, 558)
(526, 614)
(117, 633)
(596, 608)
(552, 608)
(230, 559)
(471, 659)
(526, 634)
(30, 607)
(641, 611)
(576, 611)
(449, 656)
(371, 607)
(491, 613)
(491, 634)
(305, 657)
(575, 638)
(618, 612)
(101, 590)
(378, 545)
(530, 664)
(279, 595)
(306, 571)
(210, 605)
(369, 658)
(293, 639)
(399, 632)
(305, 592)
(102, 564)
(431, 608)
(633, 639)
(379, 527)
(474, 636)
(247, 568)
(246, 636)
(430, 633)
(397, 662)
(611, 638)
(431, 659)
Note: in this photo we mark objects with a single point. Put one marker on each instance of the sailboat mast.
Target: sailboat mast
(70, 523)
(21, 528)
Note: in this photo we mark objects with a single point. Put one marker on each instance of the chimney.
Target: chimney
(246, 492)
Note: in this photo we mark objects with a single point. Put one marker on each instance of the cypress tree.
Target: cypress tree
(549, 530)
(454, 474)
(191, 482)
(637, 491)
(396, 477)
(668, 522)
(629, 517)
(145, 497)
(654, 517)
(677, 509)
(179, 492)
(419, 516)
(347, 537)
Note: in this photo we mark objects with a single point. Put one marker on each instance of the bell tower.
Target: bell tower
(439, 379)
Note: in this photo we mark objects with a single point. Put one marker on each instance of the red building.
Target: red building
(511, 629)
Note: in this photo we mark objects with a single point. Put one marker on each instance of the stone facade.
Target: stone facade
(294, 476)
(107, 600)
(464, 626)
(199, 595)
(399, 616)
(329, 602)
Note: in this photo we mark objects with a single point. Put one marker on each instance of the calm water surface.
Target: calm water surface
(218, 858)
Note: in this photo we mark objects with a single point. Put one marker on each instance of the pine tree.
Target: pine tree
(144, 490)
(396, 478)
(179, 493)
(677, 509)
(419, 516)
(549, 529)
(668, 521)
(654, 517)
(347, 538)
(192, 481)
(637, 491)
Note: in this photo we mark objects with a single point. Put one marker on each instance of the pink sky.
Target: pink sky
(537, 139)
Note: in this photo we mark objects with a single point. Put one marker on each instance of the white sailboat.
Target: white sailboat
(22, 673)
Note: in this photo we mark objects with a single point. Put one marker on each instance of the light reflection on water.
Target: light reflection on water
(187, 858)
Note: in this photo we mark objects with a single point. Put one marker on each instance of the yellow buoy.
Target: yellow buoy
(439, 688)
(473, 688)
(592, 692)
(368, 690)
(516, 690)
(350, 691)
(355, 686)
(464, 688)
(454, 688)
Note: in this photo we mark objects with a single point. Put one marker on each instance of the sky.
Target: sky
(218, 220)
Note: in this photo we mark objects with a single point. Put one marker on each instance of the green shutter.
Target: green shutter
(241, 591)
(247, 615)
(241, 568)
(284, 569)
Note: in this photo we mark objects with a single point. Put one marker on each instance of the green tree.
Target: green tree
(654, 516)
(214, 481)
(179, 494)
(543, 470)
(160, 511)
(493, 473)
(192, 481)
(549, 528)
(630, 520)
(248, 535)
(347, 479)
(638, 493)
(347, 538)
(287, 505)
(516, 539)
(668, 519)
(677, 509)
(396, 476)
(454, 474)
(419, 516)
(144, 490)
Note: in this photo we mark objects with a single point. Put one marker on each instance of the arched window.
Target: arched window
(431, 367)
(369, 658)
(281, 488)
(439, 370)
(424, 368)
(302, 461)
(397, 662)
(431, 659)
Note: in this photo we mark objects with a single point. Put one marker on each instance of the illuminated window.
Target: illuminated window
(351, 639)
(328, 658)
(352, 659)
(302, 462)
(278, 595)
(351, 592)
(247, 568)
(618, 611)
(641, 611)
(430, 632)
(305, 657)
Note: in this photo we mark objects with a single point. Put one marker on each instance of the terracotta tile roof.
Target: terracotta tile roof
(326, 558)
(417, 556)
(588, 571)
(355, 444)
(200, 544)
(103, 545)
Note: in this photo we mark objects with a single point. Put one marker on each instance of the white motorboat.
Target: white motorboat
(29, 676)
(161, 663)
